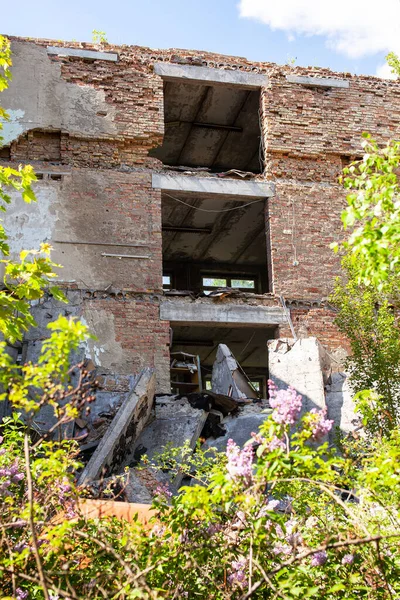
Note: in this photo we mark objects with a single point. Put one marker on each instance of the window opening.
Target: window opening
(212, 283)
(167, 282)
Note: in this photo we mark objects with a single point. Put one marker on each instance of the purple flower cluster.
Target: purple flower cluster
(286, 404)
(21, 594)
(320, 426)
(163, 491)
(9, 475)
(348, 559)
(238, 573)
(319, 558)
(240, 462)
(64, 489)
(276, 444)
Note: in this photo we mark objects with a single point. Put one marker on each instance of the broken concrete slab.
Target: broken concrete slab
(126, 426)
(303, 365)
(227, 377)
(341, 406)
(238, 428)
(175, 423)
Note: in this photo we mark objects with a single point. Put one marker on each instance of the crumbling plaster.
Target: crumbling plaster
(40, 98)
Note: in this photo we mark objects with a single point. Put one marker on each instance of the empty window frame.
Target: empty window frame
(167, 281)
(238, 282)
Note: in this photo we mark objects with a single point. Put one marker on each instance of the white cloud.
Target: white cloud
(353, 27)
(385, 72)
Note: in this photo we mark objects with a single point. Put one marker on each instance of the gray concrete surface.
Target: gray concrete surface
(318, 81)
(222, 314)
(226, 376)
(213, 185)
(40, 98)
(304, 365)
(124, 430)
(207, 74)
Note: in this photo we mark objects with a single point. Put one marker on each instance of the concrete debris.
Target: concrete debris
(123, 431)
(148, 424)
(175, 423)
(227, 376)
(304, 365)
(133, 486)
(239, 427)
(307, 366)
(341, 406)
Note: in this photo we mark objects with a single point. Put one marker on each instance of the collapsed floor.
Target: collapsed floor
(147, 424)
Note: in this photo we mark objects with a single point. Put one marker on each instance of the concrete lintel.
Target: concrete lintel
(92, 54)
(221, 315)
(210, 75)
(318, 81)
(212, 185)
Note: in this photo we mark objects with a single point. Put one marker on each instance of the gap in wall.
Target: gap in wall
(248, 344)
(214, 127)
(226, 248)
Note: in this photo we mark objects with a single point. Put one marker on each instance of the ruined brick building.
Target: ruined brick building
(163, 174)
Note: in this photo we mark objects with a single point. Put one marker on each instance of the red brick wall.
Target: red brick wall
(142, 336)
(306, 133)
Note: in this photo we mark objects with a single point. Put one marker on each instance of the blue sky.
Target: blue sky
(311, 31)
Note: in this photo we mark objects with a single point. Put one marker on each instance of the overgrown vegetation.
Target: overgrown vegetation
(284, 517)
(369, 319)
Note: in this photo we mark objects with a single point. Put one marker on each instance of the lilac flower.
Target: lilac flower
(348, 559)
(3, 488)
(293, 537)
(280, 548)
(319, 558)
(19, 546)
(276, 444)
(238, 573)
(272, 504)
(240, 462)
(14, 469)
(213, 528)
(21, 594)
(320, 426)
(64, 489)
(259, 439)
(286, 404)
(1, 439)
(17, 477)
(163, 491)
(157, 531)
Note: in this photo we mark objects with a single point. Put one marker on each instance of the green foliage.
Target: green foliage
(394, 62)
(373, 213)
(99, 37)
(369, 320)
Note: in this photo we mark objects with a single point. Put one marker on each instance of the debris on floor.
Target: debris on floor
(228, 377)
(120, 446)
(126, 426)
